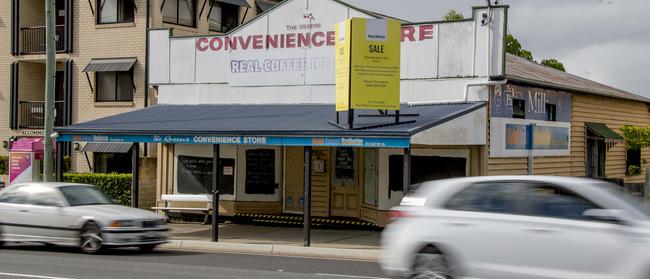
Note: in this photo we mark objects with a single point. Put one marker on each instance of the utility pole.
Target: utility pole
(50, 72)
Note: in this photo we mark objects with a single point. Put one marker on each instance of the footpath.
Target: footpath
(279, 241)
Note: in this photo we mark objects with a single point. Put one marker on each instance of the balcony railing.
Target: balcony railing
(32, 114)
(33, 39)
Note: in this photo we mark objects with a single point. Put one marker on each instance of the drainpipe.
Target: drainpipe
(146, 67)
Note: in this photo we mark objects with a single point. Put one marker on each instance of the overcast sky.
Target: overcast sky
(603, 40)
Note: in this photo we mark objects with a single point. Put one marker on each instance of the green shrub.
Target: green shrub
(115, 185)
(4, 165)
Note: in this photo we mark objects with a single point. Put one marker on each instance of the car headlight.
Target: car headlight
(123, 223)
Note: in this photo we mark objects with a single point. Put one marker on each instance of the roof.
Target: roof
(526, 71)
(107, 147)
(110, 65)
(265, 5)
(268, 120)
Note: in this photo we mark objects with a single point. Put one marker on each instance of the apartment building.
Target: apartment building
(101, 54)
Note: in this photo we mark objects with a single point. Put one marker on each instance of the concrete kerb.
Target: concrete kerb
(274, 250)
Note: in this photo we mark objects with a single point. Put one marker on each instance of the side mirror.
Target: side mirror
(607, 215)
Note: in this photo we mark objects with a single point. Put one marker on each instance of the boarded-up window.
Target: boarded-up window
(260, 171)
(423, 168)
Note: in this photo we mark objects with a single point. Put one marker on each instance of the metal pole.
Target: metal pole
(50, 74)
(529, 144)
(306, 207)
(135, 154)
(215, 192)
(406, 179)
(59, 161)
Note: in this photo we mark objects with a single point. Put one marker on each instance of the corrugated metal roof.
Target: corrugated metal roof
(267, 120)
(110, 65)
(264, 5)
(242, 3)
(526, 71)
(106, 147)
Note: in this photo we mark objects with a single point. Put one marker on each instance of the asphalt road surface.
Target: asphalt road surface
(37, 261)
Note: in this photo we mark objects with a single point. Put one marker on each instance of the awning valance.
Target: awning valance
(110, 65)
(241, 3)
(264, 5)
(601, 130)
(107, 147)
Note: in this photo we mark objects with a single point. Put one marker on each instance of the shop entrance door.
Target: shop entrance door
(345, 191)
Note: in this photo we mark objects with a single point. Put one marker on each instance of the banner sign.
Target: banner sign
(544, 137)
(246, 140)
(20, 167)
(367, 64)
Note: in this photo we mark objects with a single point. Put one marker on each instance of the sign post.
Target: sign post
(530, 145)
(367, 65)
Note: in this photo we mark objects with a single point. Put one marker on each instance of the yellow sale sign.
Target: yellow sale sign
(367, 64)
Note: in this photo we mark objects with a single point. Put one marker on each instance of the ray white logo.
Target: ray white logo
(376, 30)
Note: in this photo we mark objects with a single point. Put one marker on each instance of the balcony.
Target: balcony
(33, 39)
(32, 114)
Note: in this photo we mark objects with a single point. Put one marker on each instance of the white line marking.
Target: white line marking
(32, 276)
(348, 276)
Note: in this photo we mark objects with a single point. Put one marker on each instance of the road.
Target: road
(37, 261)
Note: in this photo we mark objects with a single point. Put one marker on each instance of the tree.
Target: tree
(514, 47)
(453, 15)
(553, 63)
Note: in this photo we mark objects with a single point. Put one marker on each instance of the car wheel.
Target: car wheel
(431, 264)
(147, 248)
(91, 238)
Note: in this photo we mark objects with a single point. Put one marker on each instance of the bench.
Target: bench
(186, 198)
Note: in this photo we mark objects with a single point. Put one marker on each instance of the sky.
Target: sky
(607, 41)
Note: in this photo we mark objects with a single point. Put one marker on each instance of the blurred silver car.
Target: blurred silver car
(75, 215)
(518, 227)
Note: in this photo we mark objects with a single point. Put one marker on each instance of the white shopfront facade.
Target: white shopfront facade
(286, 56)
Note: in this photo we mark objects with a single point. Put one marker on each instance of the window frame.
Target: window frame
(178, 2)
(99, 12)
(222, 5)
(551, 112)
(523, 107)
(97, 88)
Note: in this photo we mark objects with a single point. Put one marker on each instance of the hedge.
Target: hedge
(115, 185)
(4, 165)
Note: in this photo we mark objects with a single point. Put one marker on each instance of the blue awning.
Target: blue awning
(306, 125)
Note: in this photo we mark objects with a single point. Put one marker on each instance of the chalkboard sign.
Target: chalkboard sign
(344, 163)
(195, 175)
(260, 171)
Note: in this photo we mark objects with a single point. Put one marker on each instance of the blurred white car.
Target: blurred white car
(75, 215)
(518, 227)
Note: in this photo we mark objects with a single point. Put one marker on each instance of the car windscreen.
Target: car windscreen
(77, 195)
(636, 203)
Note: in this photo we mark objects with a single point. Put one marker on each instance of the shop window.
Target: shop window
(223, 17)
(115, 11)
(180, 12)
(633, 162)
(345, 166)
(112, 162)
(423, 168)
(551, 112)
(195, 175)
(518, 108)
(114, 86)
(260, 171)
